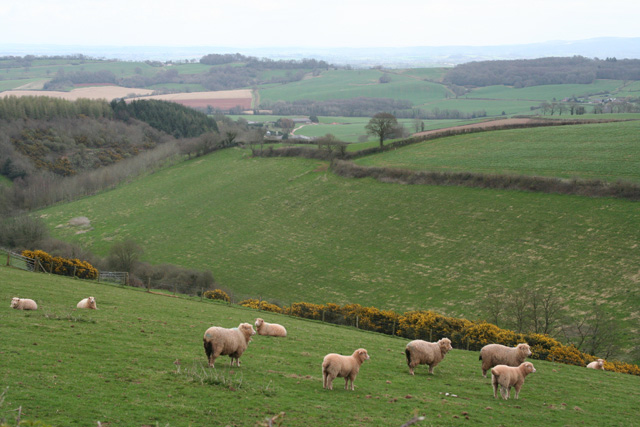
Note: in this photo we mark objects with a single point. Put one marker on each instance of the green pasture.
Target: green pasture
(547, 92)
(139, 360)
(493, 107)
(179, 87)
(345, 84)
(606, 151)
(433, 74)
(288, 230)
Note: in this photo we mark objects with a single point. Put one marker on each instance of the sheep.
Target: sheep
(596, 364)
(496, 354)
(270, 329)
(335, 365)
(421, 352)
(88, 303)
(508, 376)
(23, 304)
(232, 342)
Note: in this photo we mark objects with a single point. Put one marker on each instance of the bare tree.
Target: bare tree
(382, 125)
(124, 255)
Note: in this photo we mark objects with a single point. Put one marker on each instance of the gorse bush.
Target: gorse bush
(217, 294)
(430, 326)
(63, 266)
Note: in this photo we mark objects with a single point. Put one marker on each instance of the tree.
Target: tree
(124, 255)
(382, 125)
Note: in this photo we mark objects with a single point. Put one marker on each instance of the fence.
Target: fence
(120, 277)
(30, 264)
(19, 261)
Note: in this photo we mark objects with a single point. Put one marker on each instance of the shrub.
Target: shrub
(261, 305)
(63, 266)
(217, 294)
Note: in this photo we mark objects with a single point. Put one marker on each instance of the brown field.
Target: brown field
(223, 99)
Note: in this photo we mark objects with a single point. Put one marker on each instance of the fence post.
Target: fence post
(148, 284)
(393, 329)
(357, 318)
(322, 316)
(8, 259)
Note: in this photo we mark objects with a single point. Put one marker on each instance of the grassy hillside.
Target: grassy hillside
(285, 229)
(607, 151)
(118, 365)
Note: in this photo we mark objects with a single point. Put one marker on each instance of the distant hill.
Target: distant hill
(602, 47)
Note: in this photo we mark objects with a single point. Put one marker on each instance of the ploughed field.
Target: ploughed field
(139, 360)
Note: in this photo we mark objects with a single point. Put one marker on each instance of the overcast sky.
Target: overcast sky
(325, 23)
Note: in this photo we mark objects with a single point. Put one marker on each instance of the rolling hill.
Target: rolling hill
(287, 230)
(138, 360)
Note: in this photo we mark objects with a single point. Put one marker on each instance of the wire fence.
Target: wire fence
(29, 264)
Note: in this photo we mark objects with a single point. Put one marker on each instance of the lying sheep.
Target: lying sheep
(23, 304)
(232, 342)
(421, 352)
(596, 364)
(335, 365)
(270, 329)
(509, 376)
(88, 303)
(496, 354)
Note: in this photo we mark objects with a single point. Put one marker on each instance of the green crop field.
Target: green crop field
(546, 92)
(607, 151)
(345, 84)
(139, 361)
(288, 230)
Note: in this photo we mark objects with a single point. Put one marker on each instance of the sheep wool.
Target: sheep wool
(222, 341)
(509, 376)
(421, 352)
(497, 354)
(23, 304)
(335, 365)
(270, 329)
(89, 302)
(596, 364)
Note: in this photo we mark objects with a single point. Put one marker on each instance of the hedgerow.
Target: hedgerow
(63, 266)
(430, 326)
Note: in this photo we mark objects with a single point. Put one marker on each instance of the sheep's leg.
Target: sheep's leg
(330, 381)
(494, 382)
(431, 368)
(504, 393)
(346, 383)
(517, 387)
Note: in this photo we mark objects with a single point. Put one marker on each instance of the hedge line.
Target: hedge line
(431, 326)
(63, 266)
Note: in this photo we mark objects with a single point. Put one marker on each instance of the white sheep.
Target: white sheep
(335, 365)
(509, 376)
(596, 364)
(232, 342)
(270, 329)
(23, 304)
(496, 354)
(89, 302)
(421, 352)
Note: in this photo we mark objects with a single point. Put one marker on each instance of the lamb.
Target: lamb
(421, 352)
(88, 303)
(496, 354)
(335, 365)
(596, 364)
(23, 304)
(508, 376)
(270, 329)
(232, 342)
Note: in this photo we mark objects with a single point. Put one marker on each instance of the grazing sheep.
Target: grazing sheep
(23, 304)
(270, 329)
(496, 354)
(335, 365)
(232, 342)
(421, 352)
(88, 303)
(509, 376)
(596, 364)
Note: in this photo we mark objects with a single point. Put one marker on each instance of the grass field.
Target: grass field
(287, 230)
(607, 151)
(546, 92)
(138, 361)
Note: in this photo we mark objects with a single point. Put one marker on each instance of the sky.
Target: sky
(325, 23)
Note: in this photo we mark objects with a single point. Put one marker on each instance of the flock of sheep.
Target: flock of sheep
(507, 364)
(29, 304)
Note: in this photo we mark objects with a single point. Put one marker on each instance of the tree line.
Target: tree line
(542, 71)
